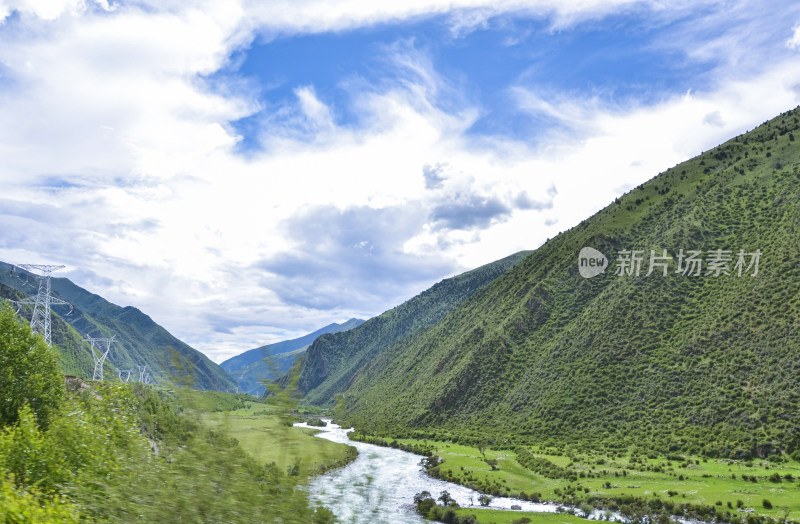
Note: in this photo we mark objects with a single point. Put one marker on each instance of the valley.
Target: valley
(624, 394)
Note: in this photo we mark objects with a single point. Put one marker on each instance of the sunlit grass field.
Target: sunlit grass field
(267, 438)
(726, 484)
(492, 516)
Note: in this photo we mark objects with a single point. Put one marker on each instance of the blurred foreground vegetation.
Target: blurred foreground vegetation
(102, 451)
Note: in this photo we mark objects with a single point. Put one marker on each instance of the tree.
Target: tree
(29, 372)
(446, 499)
(424, 502)
(484, 499)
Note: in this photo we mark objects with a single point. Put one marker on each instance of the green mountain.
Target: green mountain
(249, 369)
(704, 363)
(139, 340)
(334, 359)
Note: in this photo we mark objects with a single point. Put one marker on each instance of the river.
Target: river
(379, 486)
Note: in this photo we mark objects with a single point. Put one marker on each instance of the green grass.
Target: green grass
(706, 482)
(263, 435)
(492, 516)
(669, 363)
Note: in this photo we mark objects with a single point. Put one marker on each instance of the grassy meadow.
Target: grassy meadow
(264, 435)
(491, 516)
(735, 486)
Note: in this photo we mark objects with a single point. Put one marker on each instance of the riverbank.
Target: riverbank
(687, 487)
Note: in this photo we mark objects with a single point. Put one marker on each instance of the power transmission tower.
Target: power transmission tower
(98, 354)
(127, 374)
(40, 320)
(142, 374)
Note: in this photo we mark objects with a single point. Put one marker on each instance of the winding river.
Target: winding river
(379, 486)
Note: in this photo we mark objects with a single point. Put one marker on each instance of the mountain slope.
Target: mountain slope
(72, 350)
(249, 369)
(139, 340)
(696, 363)
(333, 360)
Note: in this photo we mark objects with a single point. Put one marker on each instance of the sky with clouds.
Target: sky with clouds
(247, 171)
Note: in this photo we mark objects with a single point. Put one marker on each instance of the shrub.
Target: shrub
(21, 505)
(29, 372)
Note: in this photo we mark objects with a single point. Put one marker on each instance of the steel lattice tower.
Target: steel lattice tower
(97, 355)
(40, 320)
(128, 374)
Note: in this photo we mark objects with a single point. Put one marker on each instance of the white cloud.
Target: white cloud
(49, 9)
(794, 41)
(118, 159)
(311, 16)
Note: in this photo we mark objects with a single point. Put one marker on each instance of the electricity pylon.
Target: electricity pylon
(142, 372)
(40, 320)
(97, 355)
(127, 374)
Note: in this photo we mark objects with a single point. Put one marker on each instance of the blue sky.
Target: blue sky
(246, 172)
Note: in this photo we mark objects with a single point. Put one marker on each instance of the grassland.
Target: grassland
(266, 436)
(735, 486)
(492, 516)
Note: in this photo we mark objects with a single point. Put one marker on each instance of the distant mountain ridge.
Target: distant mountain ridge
(139, 340)
(249, 369)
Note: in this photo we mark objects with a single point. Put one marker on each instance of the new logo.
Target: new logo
(591, 262)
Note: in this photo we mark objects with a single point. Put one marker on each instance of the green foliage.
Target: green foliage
(29, 506)
(334, 359)
(138, 341)
(672, 364)
(133, 453)
(29, 372)
(424, 501)
(249, 369)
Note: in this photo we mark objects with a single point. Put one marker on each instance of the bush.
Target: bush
(20, 505)
(29, 372)
(424, 502)
(767, 504)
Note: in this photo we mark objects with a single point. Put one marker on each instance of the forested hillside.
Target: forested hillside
(334, 359)
(251, 368)
(704, 360)
(139, 340)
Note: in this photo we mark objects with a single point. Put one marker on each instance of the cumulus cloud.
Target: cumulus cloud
(714, 118)
(794, 41)
(434, 175)
(307, 16)
(120, 160)
(49, 9)
(352, 257)
(470, 212)
(524, 201)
